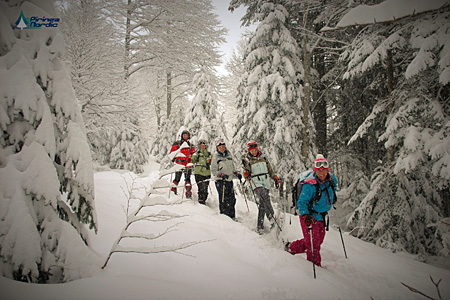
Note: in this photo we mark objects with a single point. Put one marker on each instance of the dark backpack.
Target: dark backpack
(298, 186)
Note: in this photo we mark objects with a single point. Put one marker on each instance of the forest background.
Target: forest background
(372, 95)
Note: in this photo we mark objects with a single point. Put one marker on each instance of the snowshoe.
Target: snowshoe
(174, 190)
(272, 225)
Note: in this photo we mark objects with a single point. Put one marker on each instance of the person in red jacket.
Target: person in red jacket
(183, 158)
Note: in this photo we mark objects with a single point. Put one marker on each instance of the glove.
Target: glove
(308, 219)
(277, 182)
(238, 175)
(223, 176)
(247, 175)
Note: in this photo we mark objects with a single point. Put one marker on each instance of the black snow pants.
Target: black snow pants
(227, 200)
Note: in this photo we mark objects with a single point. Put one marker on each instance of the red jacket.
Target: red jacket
(183, 160)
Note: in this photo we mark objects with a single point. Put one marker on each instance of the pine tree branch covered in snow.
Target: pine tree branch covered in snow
(45, 164)
(409, 193)
(138, 215)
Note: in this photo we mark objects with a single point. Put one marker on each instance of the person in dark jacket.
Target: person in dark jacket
(202, 170)
(183, 158)
(312, 213)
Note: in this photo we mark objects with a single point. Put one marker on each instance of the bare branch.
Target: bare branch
(436, 284)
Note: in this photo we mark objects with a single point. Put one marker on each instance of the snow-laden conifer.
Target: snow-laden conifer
(201, 116)
(96, 55)
(46, 185)
(409, 192)
(269, 94)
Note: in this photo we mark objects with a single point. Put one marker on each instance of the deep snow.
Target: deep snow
(230, 261)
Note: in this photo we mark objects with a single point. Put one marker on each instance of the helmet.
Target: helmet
(252, 145)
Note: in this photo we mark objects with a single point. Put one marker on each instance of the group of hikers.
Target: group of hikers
(315, 198)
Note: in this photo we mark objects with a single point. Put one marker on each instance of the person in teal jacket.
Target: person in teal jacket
(202, 170)
(312, 210)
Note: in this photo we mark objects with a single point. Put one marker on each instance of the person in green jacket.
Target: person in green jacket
(202, 170)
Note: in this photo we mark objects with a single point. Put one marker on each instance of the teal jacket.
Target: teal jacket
(202, 162)
(260, 170)
(326, 200)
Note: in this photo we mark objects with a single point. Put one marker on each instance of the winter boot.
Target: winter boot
(174, 189)
(260, 231)
(188, 190)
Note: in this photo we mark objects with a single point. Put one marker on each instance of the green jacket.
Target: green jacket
(202, 162)
(260, 170)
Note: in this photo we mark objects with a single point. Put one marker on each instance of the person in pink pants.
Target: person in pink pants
(318, 194)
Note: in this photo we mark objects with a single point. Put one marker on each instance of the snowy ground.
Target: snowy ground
(229, 261)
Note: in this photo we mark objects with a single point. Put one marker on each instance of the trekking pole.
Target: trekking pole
(312, 250)
(170, 183)
(342, 240)
(243, 192)
(223, 190)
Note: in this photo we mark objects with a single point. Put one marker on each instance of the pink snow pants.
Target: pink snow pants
(304, 245)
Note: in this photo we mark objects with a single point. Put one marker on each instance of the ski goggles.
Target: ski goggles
(252, 146)
(321, 164)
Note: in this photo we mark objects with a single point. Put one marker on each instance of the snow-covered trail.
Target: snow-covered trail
(230, 261)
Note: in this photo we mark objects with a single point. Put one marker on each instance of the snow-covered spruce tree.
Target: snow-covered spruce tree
(95, 51)
(228, 92)
(46, 178)
(410, 192)
(269, 94)
(184, 36)
(167, 135)
(128, 150)
(201, 116)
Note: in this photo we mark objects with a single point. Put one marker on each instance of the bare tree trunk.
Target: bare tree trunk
(169, 92)
(320, 109)
(390, 86)
(307, 55)
(157, 104)
(128, 41)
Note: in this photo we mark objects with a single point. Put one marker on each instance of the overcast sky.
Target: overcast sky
(232, 22)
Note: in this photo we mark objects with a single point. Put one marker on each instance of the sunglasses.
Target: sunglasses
(321, 164)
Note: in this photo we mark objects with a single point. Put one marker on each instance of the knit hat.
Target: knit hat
(321, 162)
(220, 142)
